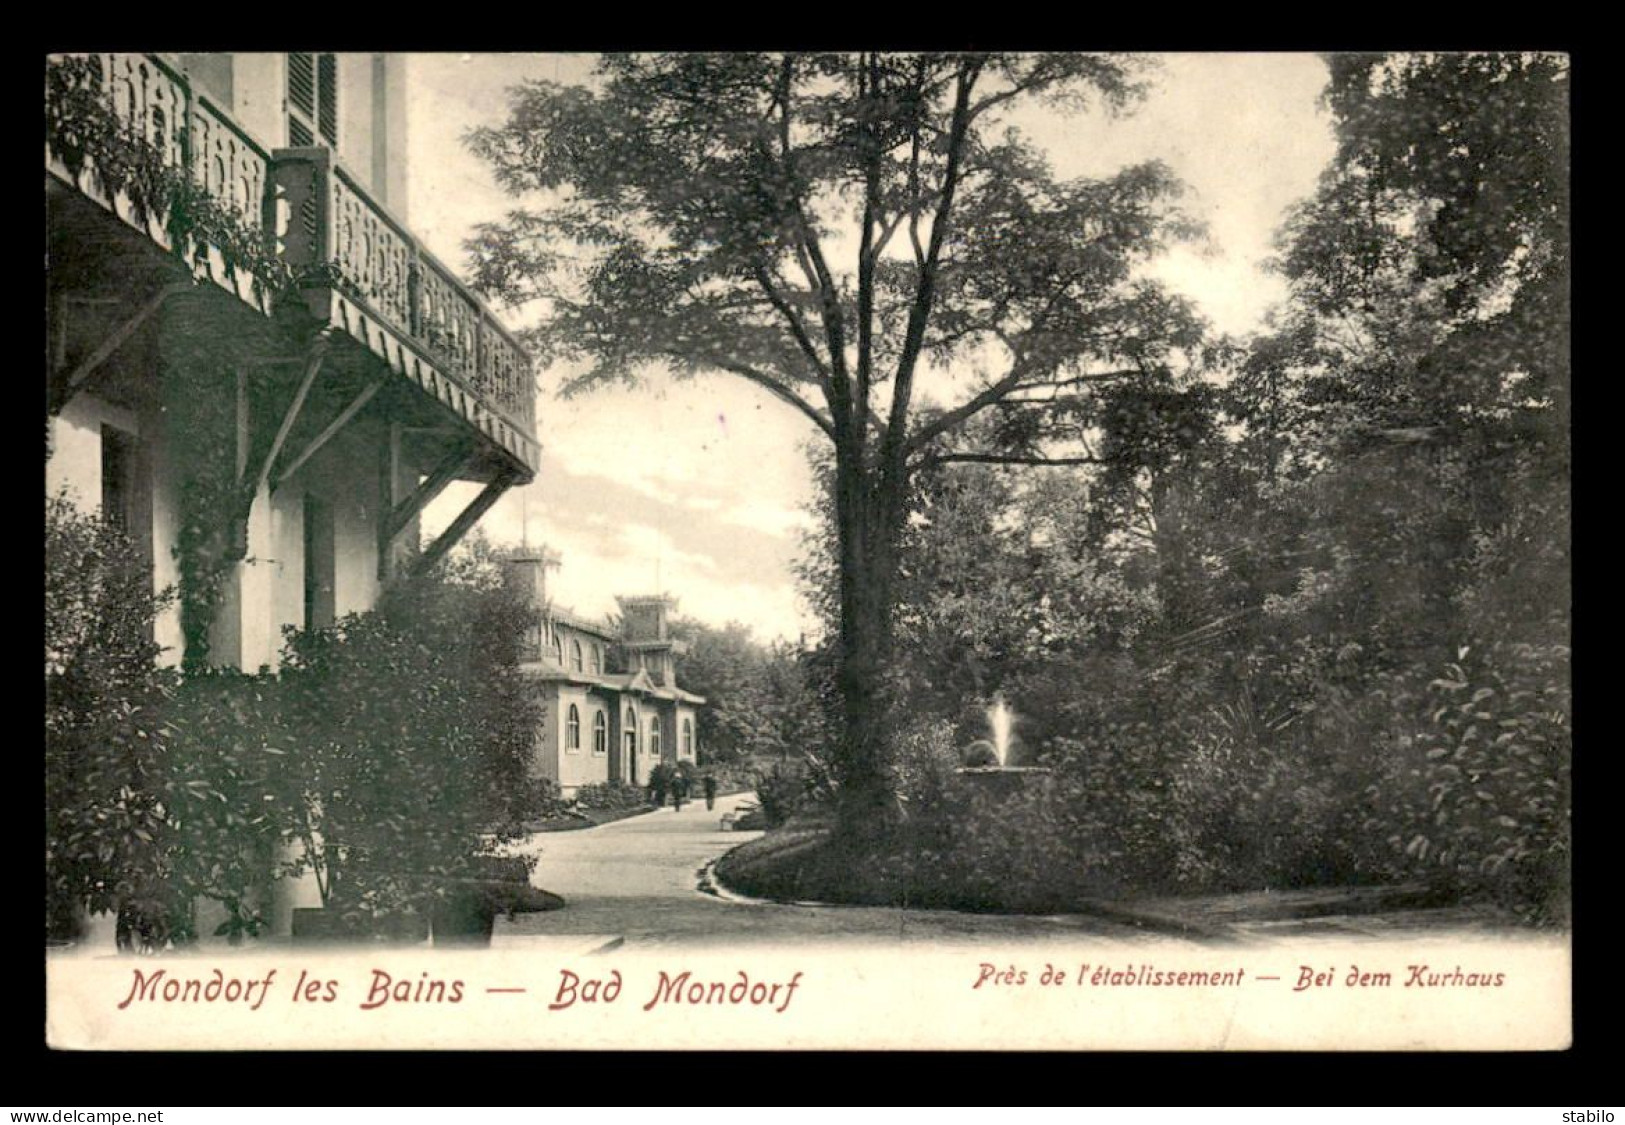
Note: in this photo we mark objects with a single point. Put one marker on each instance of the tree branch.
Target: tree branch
(920, 313)
(1036, 78)
(1010, 459)
(771, 385)
(797, 329)
(1080, 380)
(820, 279)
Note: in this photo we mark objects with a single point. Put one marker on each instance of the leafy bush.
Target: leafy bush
(661, 778)
(610, 795)
(393, 749)
(780, 791)
(1273, 753)
(225, 788)
(402, 775)
(1476, 792)
(475, 625)
(548, 802)
(105, 830)
(731, 778)
(924, 758)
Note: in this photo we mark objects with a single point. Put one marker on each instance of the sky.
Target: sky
(700, 488)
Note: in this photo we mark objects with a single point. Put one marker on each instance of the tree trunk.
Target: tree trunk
(869, 518)
(1177, 579)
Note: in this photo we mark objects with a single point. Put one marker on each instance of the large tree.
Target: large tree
(866, 237)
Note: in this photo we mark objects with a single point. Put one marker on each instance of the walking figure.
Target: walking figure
(657, 785)
(679, 790)
(709, 784)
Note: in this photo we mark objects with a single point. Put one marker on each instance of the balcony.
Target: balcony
(362, 271)
(283, 230)
(127, 132)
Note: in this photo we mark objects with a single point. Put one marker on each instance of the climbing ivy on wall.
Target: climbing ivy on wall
(198, 395)
(200, 403)
(84, 132)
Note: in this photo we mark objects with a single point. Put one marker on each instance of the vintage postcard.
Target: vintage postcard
(869, 550)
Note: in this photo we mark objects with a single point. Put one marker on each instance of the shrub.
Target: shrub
(394, 749)
(731, 778)
(609, 795)
(225, 788)
(548, 801)
(105, 830)
(1097, 824)
(981, 754)
(1475, 792)
(413, 734)
(661, 777)
(780, 791)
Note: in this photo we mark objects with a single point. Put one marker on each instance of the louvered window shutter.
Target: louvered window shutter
(313, 99)
(327, 98)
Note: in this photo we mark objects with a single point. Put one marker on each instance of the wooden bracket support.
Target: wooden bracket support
(396, 520)
(113, 341)
(327, 434)
(313, 366)
(467, 519)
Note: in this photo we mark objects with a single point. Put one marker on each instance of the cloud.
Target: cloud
(768, 516)
(724, 546)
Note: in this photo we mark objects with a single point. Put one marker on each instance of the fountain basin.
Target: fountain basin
(1003, 781)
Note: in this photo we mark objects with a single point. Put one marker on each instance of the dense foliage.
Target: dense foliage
(610, 795)
(759, 698)
(1303, 619)
(88, 136)
(105, 828)
(387, 757)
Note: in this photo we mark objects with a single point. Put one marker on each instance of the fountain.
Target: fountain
(1001, 721)
(989, 761)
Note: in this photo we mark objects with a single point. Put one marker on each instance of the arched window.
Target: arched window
(688, 738)
(600, 733)
(558, 649)
(572, 730)
(575, 656)
(654, 737)
(630, 727)
(597, 660)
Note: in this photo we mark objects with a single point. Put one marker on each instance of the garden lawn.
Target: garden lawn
(805, 861)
